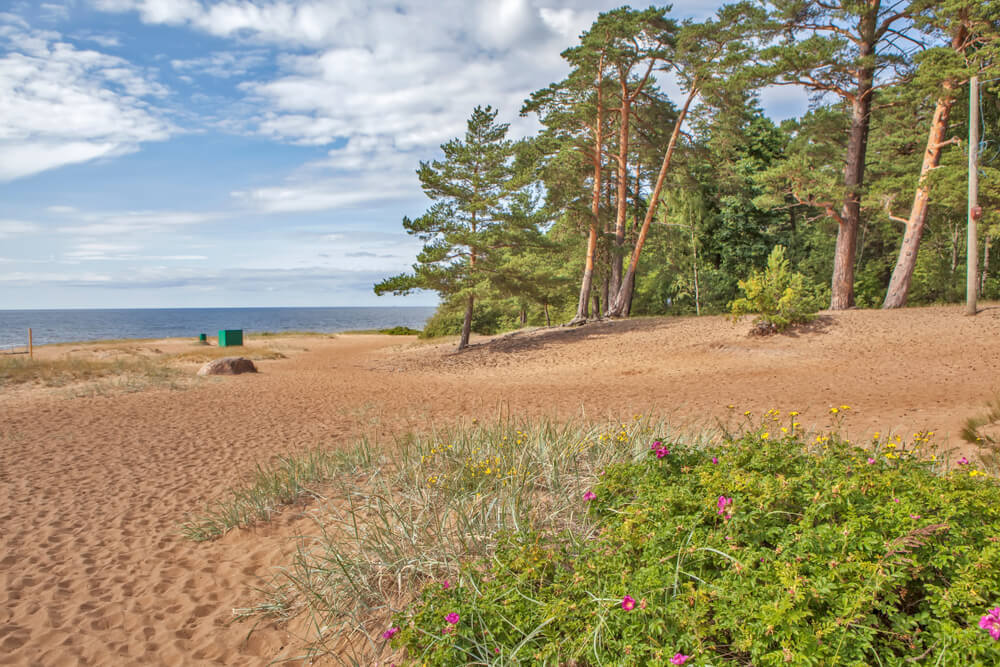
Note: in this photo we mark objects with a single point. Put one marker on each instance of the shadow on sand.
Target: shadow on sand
(542, 337)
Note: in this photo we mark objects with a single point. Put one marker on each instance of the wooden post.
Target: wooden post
(972, 244)
(31, 347)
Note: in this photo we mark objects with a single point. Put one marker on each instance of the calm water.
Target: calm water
(61, 326)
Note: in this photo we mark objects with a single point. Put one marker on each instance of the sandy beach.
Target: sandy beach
(94, 485)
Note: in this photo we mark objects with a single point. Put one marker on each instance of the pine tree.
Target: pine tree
(467, 225)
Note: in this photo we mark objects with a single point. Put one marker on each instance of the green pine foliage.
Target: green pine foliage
(509, 225)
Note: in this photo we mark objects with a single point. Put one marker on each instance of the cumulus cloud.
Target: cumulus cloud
(386, 82)
(62, 105)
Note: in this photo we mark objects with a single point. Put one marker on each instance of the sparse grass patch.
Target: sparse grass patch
(268, 490)
(73, 370)
(204, 353)
(274, 334)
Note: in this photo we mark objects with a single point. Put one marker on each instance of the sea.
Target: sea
(65, 326)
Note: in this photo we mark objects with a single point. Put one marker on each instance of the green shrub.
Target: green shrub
(487, 319)
(765, 551)
(778, 296)
(400, 331)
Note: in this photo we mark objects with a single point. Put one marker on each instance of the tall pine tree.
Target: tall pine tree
(466, 227)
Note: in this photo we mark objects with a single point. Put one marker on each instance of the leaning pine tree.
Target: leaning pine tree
(466, 226)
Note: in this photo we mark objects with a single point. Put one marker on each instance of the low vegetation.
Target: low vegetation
(20, 370)
(778, 296)
(126, 368)
(567, 544)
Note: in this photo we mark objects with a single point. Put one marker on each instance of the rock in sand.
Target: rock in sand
(228, 366)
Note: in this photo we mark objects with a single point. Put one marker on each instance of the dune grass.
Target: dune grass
(127, 369)
(73, 370)
(391, 519)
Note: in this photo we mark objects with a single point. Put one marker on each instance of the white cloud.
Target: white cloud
(222, 64)
(12, 228)
(117, 223)
(107, 41)
(22, 278)
(393, 79)
(321, 195)
(61, 105)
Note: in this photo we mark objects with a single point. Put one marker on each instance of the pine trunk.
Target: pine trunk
(467, 323)
(842, 284)
(986, 266)
(623, 297)
(621, 197)
(899, 284)
(595, 206)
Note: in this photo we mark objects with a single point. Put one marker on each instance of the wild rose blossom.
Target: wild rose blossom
(452, 618)
(390, 632)
(628, 603)
(991, 623)
(679, 659)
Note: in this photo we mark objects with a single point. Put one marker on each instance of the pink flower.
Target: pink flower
(715, 460)
(589, 495)
(446, 584)
(390, 632)
(871, 461)
(723, 504)
(914, 516)
(661, 452)
(628, 603)
(656, 445)
(963, 461)
(448, 629)
(452, 618)
(895, 500)
(991, 623)
(679, 659)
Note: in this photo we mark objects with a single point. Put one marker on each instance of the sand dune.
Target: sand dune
(93, 488)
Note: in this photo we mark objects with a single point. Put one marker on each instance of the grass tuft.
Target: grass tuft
(388, 525)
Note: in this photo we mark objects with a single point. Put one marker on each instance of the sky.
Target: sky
(232, 153)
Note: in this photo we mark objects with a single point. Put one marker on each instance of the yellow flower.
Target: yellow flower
(765, 435)
(793, 413)
(834, 411)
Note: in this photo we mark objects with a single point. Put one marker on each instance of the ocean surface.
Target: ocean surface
(64, 326)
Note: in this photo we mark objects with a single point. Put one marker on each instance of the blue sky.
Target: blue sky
(213, 153)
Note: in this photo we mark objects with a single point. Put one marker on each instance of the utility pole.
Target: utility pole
(972, 245)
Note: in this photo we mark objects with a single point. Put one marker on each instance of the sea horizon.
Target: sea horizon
(72, 325)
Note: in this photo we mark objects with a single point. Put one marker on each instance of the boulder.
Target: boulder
(228, 366)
